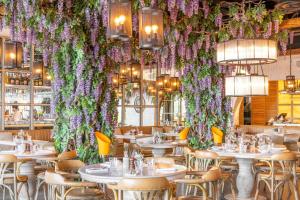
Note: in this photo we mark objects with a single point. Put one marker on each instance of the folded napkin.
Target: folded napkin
(166, 170)
(96, 170)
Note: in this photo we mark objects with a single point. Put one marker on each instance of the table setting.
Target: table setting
(132, 165)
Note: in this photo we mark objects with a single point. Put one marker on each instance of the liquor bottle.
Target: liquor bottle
(17, 80)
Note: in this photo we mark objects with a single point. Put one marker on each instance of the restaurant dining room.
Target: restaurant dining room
(149, 99)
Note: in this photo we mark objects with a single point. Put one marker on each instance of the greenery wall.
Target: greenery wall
(72, 36)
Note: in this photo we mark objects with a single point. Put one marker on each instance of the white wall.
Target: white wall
(281, 68)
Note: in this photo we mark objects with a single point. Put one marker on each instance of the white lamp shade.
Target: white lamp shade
(246, 85)
(247, 52)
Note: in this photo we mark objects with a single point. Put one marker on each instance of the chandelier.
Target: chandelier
(247, 52)
(119, 20)
(151, 28)
(244, 83)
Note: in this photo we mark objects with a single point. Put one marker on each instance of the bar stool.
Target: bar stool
(142, 188)
(281, 170)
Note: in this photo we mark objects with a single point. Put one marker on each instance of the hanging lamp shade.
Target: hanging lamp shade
(119, 20)
(13, 54)
(291, 85)
(163, 82)
(247, 52)
(115, 80)
(135, 72)
(151, 28)
(175, 83)
(247, 85)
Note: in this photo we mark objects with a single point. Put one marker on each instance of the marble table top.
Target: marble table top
(104, 176)
(33, 155)
(248, 155)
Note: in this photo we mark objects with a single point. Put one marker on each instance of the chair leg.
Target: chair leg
(27, 190)
(3, 193)
(293, 186)
(257, 190)
(45, 190)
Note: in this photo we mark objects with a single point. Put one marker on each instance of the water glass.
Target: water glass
(139, 165)
(113, 169)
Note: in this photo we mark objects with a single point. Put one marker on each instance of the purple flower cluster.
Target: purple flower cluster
(218, 20)
(276, 26)
(268, 33)
(205, 9)
(105, 13)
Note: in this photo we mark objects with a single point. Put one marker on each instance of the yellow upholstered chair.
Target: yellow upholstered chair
(104, 143)
(184, 133)
(217, 135)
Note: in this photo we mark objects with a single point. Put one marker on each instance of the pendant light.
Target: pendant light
(244, 83)
(151, 28)
(119, 20)
(247, 52)
(291, 85)
(13, 54)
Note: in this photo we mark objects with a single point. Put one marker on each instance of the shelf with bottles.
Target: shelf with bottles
(17, 95)
(13, 79)
(42, 115)
(16, 115)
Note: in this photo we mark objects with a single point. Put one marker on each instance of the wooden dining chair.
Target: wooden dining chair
(64, 187)
(204, 160)
(200, 181)
(51, 162)
(281, 171)
(10, 177)
(142, 188)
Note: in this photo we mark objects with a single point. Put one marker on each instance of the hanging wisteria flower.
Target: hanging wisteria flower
(142, 3)
(218, 20)
(134, 22)
(105, 13)
(195, 4)
(171, 5)
(205, 9)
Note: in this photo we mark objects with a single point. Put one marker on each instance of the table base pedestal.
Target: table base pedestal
(245, 178)
(27, 169)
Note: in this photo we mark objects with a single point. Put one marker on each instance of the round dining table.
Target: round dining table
(100, 173)
(245, 160)
(27, 168)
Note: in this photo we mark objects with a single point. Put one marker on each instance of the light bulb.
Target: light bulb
(12, 55)
(38, 71)
(148, 30)
(121, 19)
(154, 28)
(117, 21)
(48, 77)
